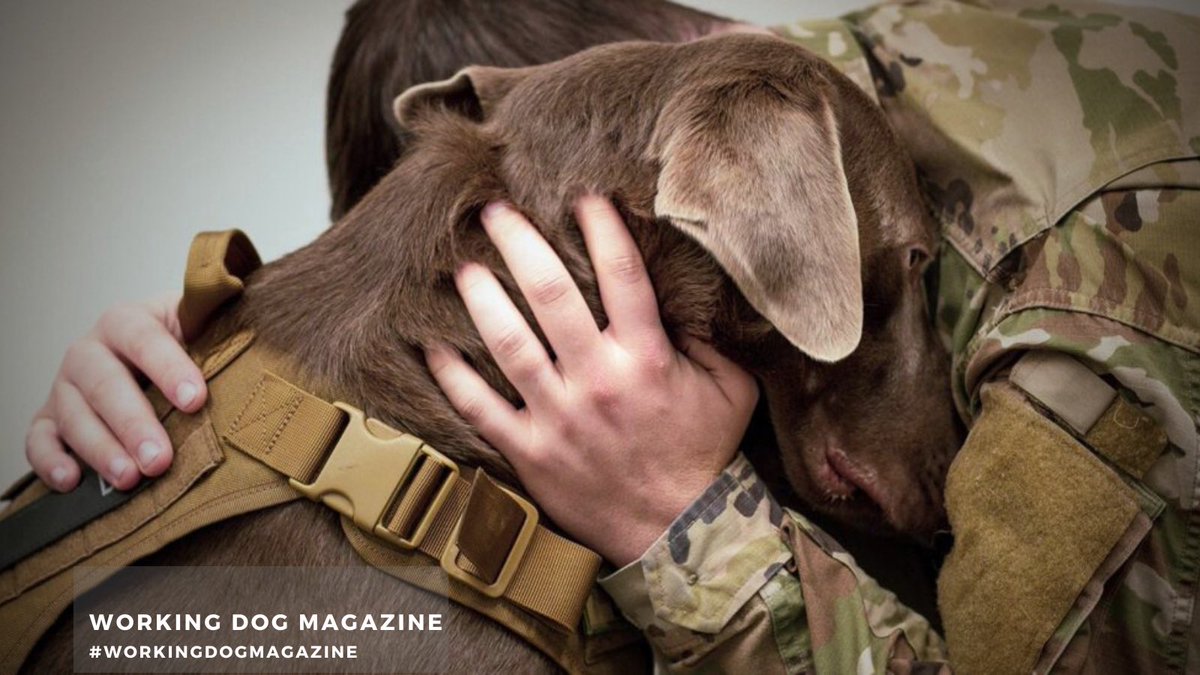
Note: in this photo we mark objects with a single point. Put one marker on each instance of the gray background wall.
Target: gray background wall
(128, 125)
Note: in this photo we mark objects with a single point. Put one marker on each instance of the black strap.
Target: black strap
(54, 515)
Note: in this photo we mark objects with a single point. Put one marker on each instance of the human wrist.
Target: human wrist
(633, 532)
(718, 552)
(630, 544)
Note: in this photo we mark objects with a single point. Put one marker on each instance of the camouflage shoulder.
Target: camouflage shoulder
(834, 41)
(1015, 111)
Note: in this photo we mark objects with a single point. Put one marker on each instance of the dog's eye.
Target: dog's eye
(917, 256)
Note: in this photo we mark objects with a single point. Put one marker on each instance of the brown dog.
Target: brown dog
(776, 212)
(781, 169)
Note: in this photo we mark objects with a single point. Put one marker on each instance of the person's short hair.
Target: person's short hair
(388, 46)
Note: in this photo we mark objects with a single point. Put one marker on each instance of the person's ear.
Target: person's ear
(473, 92)
(753, 171)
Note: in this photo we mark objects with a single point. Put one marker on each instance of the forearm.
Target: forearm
(738, 584)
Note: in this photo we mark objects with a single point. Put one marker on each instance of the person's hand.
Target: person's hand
(622, 431)
(97, 408)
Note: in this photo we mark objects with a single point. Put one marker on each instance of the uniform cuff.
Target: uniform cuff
(716, 555)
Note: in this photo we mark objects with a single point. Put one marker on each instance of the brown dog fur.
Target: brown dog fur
(690, 141)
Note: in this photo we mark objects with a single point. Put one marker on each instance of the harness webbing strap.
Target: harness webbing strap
(286, 428)
(411, 505)
(613, 647)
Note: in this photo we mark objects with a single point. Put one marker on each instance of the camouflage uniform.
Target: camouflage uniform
(1058, 144)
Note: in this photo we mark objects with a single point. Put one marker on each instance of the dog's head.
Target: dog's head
(788, 177)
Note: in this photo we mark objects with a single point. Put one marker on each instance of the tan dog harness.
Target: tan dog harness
(262, 441)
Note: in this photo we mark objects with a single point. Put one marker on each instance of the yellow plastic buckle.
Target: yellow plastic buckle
(365, 472)
(511, 564)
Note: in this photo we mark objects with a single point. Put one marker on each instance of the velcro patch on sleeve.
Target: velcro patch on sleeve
(1034, 514)
(1128, 436)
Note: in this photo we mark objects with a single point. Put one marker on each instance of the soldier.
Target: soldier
(1059, 148)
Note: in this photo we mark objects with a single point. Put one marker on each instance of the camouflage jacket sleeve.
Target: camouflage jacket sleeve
(738, 584)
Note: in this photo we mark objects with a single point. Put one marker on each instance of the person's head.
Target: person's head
(388, 46)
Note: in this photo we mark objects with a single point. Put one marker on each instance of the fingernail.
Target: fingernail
(185, 394)
(437, 350)
(494, 210)
(462, 270)
(148, 452)
(117, 467)
(59, 477)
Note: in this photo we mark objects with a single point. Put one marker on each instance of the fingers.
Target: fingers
(165, 310)
(109, 389)
(738, 385)
(48, 457)
(147, 343)
(552, 294)
(82, 430)
(496, 420)
(621, 274)
(98, 408)
(510, 340)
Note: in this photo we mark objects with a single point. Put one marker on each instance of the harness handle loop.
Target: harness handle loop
(217, 267)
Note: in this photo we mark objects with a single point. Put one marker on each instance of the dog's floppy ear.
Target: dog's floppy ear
(472, 92)
(754, 173)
